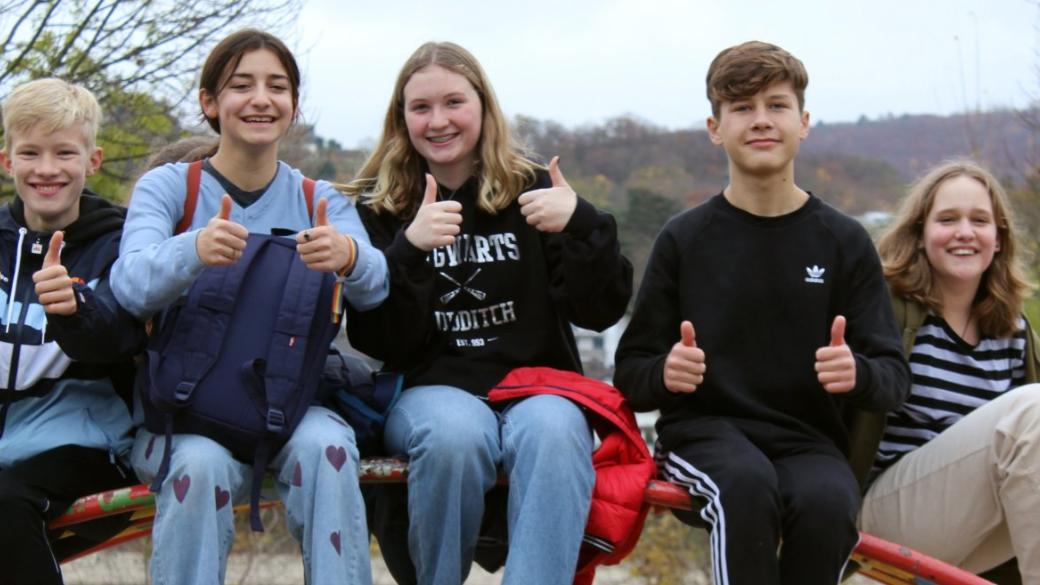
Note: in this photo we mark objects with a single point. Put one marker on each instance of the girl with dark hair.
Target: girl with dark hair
(249, 93)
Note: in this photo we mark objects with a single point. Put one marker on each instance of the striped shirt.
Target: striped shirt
(950, 379)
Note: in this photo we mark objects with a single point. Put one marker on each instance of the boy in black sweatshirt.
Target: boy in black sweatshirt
(762, 313)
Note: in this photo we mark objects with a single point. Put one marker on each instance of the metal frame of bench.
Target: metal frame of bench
(880, 560)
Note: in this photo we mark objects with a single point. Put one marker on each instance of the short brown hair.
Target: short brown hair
(743, 70)
(225, 57)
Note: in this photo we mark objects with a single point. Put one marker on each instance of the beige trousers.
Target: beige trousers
(971, 495)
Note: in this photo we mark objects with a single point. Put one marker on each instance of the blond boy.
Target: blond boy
(64, 431)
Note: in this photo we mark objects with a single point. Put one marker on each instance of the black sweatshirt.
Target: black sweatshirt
(762, 293)
(503, 296)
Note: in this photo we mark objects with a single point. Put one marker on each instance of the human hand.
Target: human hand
(222, 241)
(437, 222)
(53, 285)
(684, 367)
(549, 210)
(324, 249)
(835, 365)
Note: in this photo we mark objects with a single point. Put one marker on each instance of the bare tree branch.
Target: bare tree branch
(139, 57)
(18, 24)
(14, 63)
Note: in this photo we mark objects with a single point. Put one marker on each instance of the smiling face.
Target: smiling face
(254, 106)
(443, 113)
(960, 234)
(49, 171)
(762, 133)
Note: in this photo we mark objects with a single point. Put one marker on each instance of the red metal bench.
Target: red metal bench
(878, 559)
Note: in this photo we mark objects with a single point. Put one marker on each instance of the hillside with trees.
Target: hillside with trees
(645, 174)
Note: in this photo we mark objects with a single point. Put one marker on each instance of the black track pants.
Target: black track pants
(781, 507)
(37, 490)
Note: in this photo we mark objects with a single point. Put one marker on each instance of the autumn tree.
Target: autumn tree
(139, 57)
(647, 213)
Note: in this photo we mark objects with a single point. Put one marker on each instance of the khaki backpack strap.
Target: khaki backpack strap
(1032, 357)
(191, 199)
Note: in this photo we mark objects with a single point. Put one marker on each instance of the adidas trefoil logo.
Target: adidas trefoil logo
(815, 274)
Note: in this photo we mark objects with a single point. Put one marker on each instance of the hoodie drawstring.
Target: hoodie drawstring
(14, 278)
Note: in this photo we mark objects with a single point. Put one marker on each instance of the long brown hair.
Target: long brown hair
(392, 179)
(1002, 291)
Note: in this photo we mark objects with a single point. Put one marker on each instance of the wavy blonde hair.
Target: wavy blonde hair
(392, 179)
(1002, 291)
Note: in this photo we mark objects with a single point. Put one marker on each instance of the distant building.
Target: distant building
(875, 221)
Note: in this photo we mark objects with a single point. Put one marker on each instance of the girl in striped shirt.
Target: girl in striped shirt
(957, 475)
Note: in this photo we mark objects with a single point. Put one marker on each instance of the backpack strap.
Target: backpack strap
(199, 329)
(308, 196)
(283, 368)
(191, 198)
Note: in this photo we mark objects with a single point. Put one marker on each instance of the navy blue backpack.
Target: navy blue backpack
(362, 396)
(240, 357)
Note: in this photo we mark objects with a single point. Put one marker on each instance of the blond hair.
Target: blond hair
(51, 105)
(392, 179)
(1002, 291)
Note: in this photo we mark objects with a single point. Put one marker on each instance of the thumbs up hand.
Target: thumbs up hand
(835, 365)
(222, 241)
(324, 249)
(437, 222)
(53, 285)
(684, 367)
(549, 210)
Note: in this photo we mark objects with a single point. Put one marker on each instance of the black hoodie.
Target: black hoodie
(503, 296)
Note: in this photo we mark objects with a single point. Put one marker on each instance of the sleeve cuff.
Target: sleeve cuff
(863, 377)
(404, 252)
(189, 251)
(583, 221)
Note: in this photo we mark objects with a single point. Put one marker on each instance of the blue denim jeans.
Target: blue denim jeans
(317, 481)
(456, 444)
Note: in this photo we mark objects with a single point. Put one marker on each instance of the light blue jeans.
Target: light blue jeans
(455, 444)
(317, 481)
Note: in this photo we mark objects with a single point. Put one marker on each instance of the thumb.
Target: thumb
(556, 174)
(53, 257)
(838, 331)
(688, 336)
(321, 215)
(225, 207)
(430, 196)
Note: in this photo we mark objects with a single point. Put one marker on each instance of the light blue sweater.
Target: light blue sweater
(154, 269)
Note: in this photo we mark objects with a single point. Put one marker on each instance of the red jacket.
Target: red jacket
(623, 463)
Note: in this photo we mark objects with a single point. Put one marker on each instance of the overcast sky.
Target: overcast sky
(581, 62)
